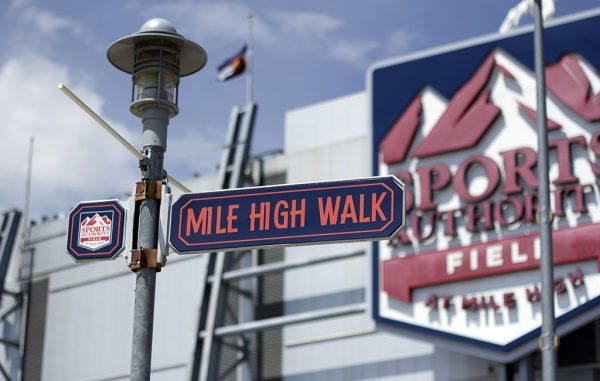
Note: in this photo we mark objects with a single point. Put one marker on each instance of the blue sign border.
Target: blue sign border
(111, 250)
(393, 85)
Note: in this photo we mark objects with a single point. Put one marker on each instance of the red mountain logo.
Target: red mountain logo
(470, 114)
(96, 220)
(95, 232)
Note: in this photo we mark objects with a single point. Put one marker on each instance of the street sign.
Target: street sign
(350, 210)
(96, 230)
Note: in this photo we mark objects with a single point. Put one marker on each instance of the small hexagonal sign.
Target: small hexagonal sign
(96, 230)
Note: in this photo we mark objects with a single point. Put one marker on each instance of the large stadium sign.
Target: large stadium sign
(458, 127)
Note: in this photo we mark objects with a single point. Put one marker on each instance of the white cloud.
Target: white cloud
(313, 33)
(307, 25)
(355, 51)
(73, 158)
(18, 3)
(321, 35)
(188, 149)
(217, 21)
(399, 42)
(47, 22)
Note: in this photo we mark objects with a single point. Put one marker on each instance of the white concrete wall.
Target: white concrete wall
(330, 141)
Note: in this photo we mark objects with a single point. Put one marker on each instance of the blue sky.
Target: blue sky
(305, 52)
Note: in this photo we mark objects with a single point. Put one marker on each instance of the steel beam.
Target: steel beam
(282, 266)
(304, 317)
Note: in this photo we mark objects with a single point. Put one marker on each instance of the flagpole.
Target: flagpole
(250, 64)
(25, 274)
(25, 231)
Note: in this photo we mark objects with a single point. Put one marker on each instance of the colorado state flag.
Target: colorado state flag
(233, 66)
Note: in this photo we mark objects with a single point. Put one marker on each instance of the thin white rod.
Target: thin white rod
(62, 87)
(179, 185)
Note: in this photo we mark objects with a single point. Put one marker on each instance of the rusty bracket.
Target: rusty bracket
(538, 217)
(148, 190)
(555, 343)
(144, 258)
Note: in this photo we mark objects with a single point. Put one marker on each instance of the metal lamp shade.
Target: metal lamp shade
(156, 56)
(192, 57)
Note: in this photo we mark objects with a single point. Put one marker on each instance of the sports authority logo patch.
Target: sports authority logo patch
(96, 230)
(458, 127)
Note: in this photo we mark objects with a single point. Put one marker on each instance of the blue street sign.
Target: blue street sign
(351, 210)
(96, 230)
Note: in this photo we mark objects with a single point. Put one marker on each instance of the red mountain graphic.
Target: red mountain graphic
(466, 119)
(469, 113)
(89, 221)
(568, 82)
(96, 220)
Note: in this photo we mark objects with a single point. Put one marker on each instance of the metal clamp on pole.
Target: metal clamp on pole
(148, 190)
(546, 342)
(538, 217)
(144, 258)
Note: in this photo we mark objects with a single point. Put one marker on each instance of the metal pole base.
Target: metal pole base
(143, 321)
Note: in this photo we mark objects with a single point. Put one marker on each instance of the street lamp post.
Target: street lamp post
(156, 56)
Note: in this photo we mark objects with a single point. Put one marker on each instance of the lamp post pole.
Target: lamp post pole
(548, 339)
(145, 282)
(156, 56)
